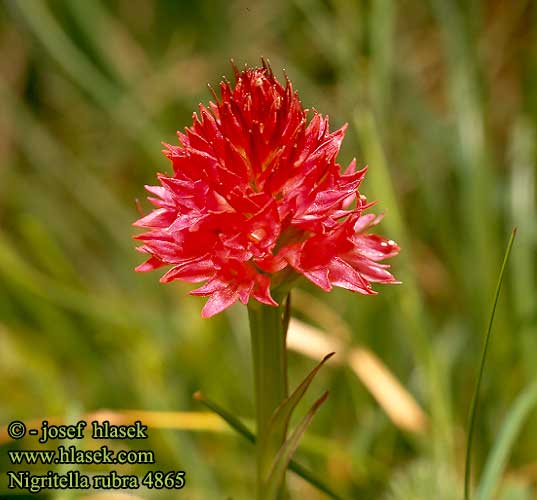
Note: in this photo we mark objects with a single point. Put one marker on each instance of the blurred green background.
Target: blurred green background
(441, 101)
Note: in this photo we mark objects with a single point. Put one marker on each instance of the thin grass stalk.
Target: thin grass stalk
(475, 398)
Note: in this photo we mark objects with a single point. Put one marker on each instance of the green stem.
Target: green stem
(475, 398)
(268, 334)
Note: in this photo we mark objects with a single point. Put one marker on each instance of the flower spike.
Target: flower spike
(257, 198)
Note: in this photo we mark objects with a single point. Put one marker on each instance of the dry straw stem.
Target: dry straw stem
(390, 394)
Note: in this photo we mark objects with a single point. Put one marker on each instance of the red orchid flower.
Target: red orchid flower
(257, 198)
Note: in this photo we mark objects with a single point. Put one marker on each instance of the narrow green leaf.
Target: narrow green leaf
(281, 462)
(523, 405)
(231, 420)
(473, 408)
(308, 476)
(238, 426)
(279, 422)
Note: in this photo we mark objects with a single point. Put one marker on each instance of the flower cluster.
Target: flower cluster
(257, 199)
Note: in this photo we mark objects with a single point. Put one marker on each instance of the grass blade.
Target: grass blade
(279, 422)
(246, 433)
(473, 408)
(281, 462)
(231, 420)
(523, 405)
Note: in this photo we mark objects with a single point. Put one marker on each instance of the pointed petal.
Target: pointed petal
(219, 301)
(150, 265)
(192, 272)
